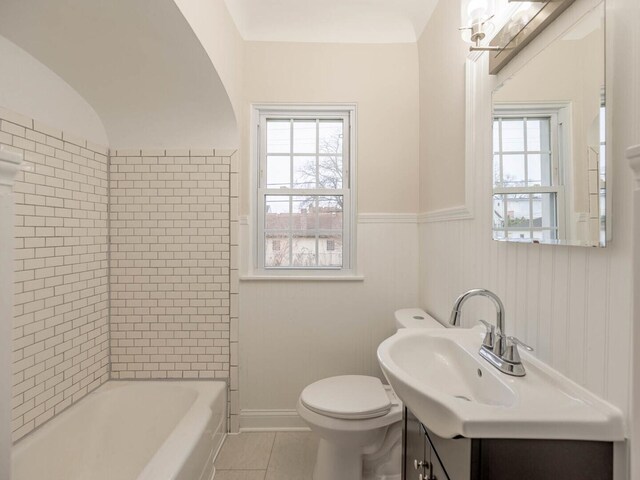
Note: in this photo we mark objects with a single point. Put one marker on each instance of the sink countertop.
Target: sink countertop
(442, 379)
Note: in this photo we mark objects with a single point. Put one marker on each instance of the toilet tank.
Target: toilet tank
(415, 318)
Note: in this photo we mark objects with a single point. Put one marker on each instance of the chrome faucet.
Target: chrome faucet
(498, 349)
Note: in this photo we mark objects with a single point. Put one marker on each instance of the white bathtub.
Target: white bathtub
(158, 430)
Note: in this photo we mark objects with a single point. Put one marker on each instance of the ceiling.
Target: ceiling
(138, 63)
(331, 21)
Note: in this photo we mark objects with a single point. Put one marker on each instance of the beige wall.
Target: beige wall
(32, 89)
(295, 332)
(216, 31)
(381, 79)
(442, 56)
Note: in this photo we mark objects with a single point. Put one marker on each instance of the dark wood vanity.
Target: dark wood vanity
(427, 456)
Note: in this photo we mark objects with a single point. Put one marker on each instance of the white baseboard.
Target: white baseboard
(271, 420)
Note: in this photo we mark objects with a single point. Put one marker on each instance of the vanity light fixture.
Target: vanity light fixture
(477, 16)
(519, 21)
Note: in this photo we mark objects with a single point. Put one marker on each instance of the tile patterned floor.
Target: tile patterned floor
(267, 456)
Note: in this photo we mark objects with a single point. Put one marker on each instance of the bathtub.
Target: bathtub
(147, 430)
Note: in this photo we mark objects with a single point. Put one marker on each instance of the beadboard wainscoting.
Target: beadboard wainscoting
(295, 332)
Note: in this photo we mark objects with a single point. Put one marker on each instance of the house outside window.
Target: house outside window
(528, 186)
(304, 195)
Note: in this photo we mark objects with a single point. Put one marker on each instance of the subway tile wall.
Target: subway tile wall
(61, 324)
(170, 264)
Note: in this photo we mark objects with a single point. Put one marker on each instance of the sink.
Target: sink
(443, 380)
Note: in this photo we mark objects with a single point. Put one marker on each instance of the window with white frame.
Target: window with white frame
(528, 194)
(304, 188)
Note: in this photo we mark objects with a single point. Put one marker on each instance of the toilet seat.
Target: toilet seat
(347, 397)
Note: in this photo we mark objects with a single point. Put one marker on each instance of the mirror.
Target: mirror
(549, 148)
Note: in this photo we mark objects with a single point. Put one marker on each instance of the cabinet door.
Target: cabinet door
(414, 449)
(454, 455)
(437, 471)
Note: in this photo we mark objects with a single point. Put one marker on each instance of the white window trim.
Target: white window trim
(560, 113)
(256, 268)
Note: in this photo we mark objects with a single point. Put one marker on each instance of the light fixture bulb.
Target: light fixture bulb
(477, 11)
(474, 16)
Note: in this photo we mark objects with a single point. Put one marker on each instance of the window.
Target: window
(304, 189)
(527, 174)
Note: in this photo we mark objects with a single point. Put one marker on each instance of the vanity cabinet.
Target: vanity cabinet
(429, 457)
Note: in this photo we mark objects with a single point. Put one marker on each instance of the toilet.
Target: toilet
(358, 420)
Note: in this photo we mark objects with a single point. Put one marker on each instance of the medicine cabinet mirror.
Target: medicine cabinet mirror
(549, 142)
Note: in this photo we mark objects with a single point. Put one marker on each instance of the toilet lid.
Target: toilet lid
(349, 397)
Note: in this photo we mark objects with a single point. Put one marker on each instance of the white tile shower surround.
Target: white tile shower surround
(170, 261)
(61, 331)
(267, 456)
(183, 310)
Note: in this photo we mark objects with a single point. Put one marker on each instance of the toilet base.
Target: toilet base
(335, 462)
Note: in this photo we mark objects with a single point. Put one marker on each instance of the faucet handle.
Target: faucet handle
(511, 353)
(517, 341)
(490, 335)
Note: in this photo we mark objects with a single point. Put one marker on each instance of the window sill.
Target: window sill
(301, 278)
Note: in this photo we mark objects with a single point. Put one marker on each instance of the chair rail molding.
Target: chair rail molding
(10, 163)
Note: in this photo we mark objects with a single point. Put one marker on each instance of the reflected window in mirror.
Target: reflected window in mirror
(549, 140)
(528, 181)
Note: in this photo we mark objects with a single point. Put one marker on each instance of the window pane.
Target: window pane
(304, 215)
(278, 172)
(518, 215)
(304, 136)
(277, 212)
(304, 172)
(330, 250)
(512, 135)
(498, 211)
(330, 140)
(497, 180)
(330, 213)
(544, 210)
(304, 250)
(513, 170)
(298, 227)
(539, 170)
(534, 135)
(276, 250)
(496, 136)
(330, 172)
(278, 136)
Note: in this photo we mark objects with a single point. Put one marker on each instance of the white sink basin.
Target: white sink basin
(452, 390)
